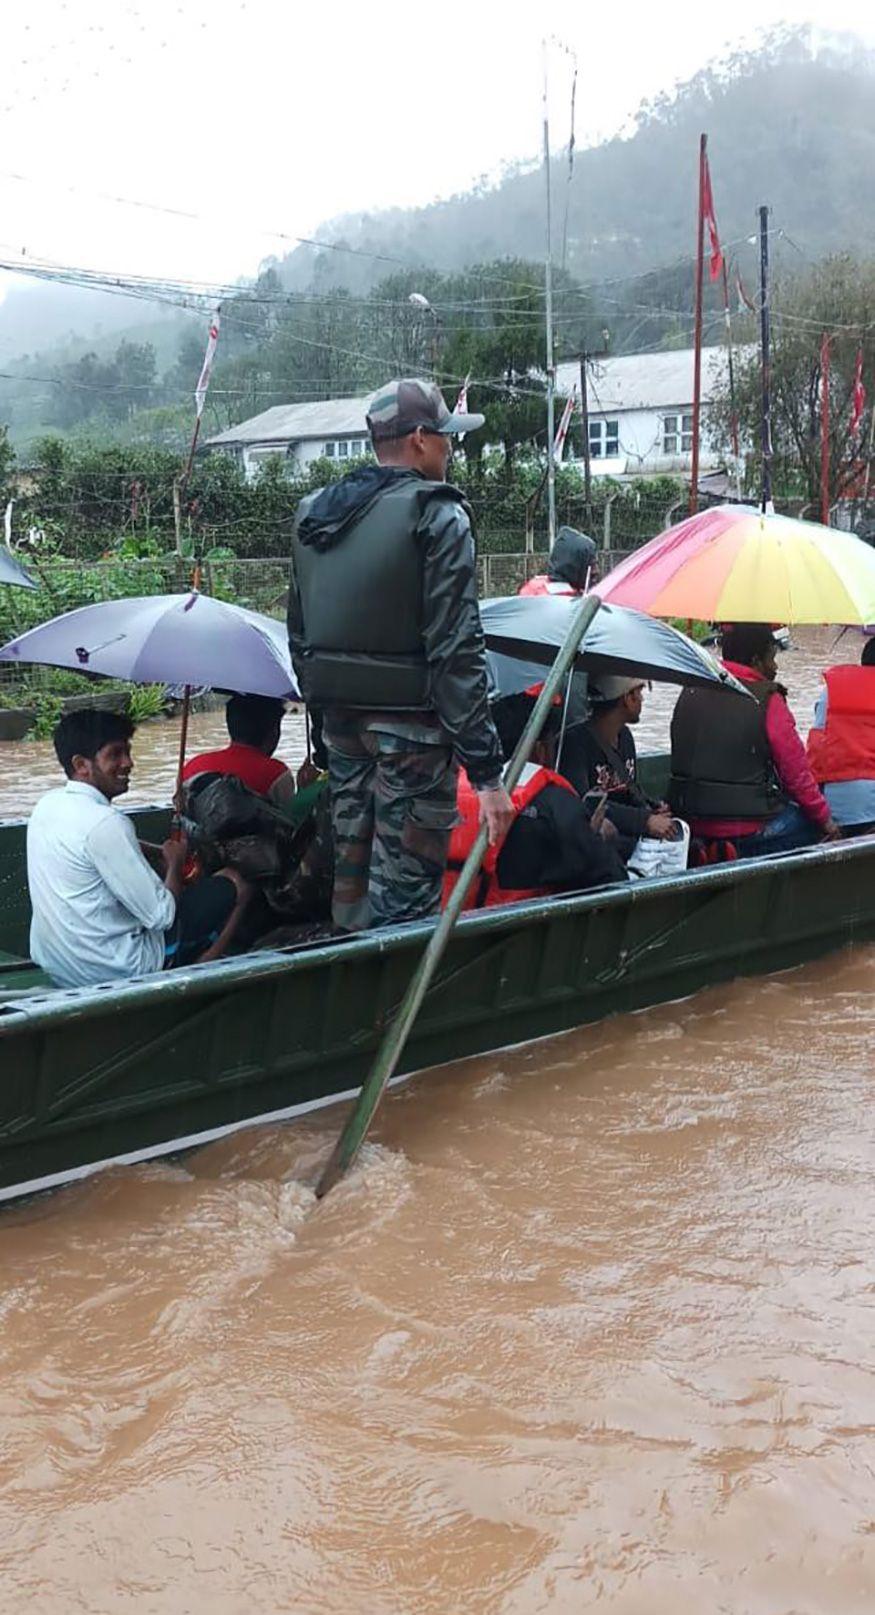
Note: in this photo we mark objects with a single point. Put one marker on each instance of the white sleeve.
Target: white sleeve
(118, 860)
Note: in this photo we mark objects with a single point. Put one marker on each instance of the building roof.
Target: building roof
(643, 380)
(292, 423)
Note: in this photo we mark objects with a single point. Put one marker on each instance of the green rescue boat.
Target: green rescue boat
(122, 1073)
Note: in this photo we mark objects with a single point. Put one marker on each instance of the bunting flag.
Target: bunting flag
(200, 392)
(565, 422)
(744, 300)
(858, 396)
(710, 218)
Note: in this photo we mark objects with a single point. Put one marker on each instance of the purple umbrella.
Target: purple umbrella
(188, 639)
(166, 639)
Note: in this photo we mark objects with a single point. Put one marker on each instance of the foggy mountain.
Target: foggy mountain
(36, 316)
(790, 124)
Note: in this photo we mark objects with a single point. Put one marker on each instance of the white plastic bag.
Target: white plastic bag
(650, 856)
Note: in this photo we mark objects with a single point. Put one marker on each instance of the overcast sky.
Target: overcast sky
(267, 119)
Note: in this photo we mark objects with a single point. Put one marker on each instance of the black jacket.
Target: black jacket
(589, 768)
(552, 844)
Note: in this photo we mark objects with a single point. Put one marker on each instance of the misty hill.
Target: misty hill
(790, 124)
(36, 317)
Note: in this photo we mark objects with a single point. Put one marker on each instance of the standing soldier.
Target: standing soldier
(386, 642)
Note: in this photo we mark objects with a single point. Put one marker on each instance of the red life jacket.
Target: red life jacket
(485, 892)
(845, 748)
(544, 585)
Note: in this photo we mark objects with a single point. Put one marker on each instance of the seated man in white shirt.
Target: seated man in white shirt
(99, 911)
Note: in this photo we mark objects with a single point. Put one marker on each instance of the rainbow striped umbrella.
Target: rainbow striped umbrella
(735, 564)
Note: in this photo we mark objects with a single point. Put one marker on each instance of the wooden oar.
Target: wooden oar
(390, 1050)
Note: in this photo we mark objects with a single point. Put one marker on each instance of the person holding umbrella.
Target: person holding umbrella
(740, 773)
(599, 756)
(99, 911)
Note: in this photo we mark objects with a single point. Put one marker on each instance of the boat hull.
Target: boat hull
(101, 1074)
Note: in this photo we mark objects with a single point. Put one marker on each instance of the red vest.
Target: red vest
(485, 892)
(845, 749)
(245, 762)
(544, 585)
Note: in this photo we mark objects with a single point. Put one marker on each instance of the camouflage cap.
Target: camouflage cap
(403, 405)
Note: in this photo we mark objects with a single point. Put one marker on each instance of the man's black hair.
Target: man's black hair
(251, 718)
(510, 715)
(867, 658)
(743, 641)
(83, 734)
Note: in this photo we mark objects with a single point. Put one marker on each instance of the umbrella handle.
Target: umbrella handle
(183, 738)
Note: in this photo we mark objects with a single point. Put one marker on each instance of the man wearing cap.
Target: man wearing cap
(739, 772)
(386, 642)
(599, 758)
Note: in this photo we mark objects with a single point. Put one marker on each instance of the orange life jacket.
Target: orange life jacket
(485, 892)
(845, 748)
(544, 585)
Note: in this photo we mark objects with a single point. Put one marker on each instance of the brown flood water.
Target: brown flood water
(590, 1326)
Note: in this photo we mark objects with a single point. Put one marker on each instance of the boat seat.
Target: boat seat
(20, 976)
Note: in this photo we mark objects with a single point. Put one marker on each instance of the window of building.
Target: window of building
(677, 434)
(343, 448)
(604, 439)
(355, 448)
(328, 450)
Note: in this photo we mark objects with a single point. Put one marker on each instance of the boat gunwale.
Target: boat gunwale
(39, 1009)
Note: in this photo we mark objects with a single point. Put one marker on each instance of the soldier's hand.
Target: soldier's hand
(496, 812)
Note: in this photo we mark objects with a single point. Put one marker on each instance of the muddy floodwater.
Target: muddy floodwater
(591, 1326)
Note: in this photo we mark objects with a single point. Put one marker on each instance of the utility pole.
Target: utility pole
(584, 426)
(824, 429)
(548, 319)
(585, 359)
(766, 362)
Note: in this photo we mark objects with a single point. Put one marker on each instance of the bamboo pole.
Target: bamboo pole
(389, 1053)
(766, 359)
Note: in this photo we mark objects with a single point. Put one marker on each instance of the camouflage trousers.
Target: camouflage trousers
(393, 805)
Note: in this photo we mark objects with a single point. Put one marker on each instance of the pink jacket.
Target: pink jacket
(790, 760)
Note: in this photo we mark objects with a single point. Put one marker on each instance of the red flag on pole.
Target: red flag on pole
(858, 396)
(200, 392)
(462, 400)
(562, 432)
(711, 221)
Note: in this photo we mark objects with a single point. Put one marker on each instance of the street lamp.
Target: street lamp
(419, 301)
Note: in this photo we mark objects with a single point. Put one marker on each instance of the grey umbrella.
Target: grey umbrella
(524, 633)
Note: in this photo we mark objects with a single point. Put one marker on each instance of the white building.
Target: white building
(641, 410)
(640, 418)
(297, 434)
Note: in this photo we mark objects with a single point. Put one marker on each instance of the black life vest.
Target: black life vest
(359, 639)
(721, 762)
